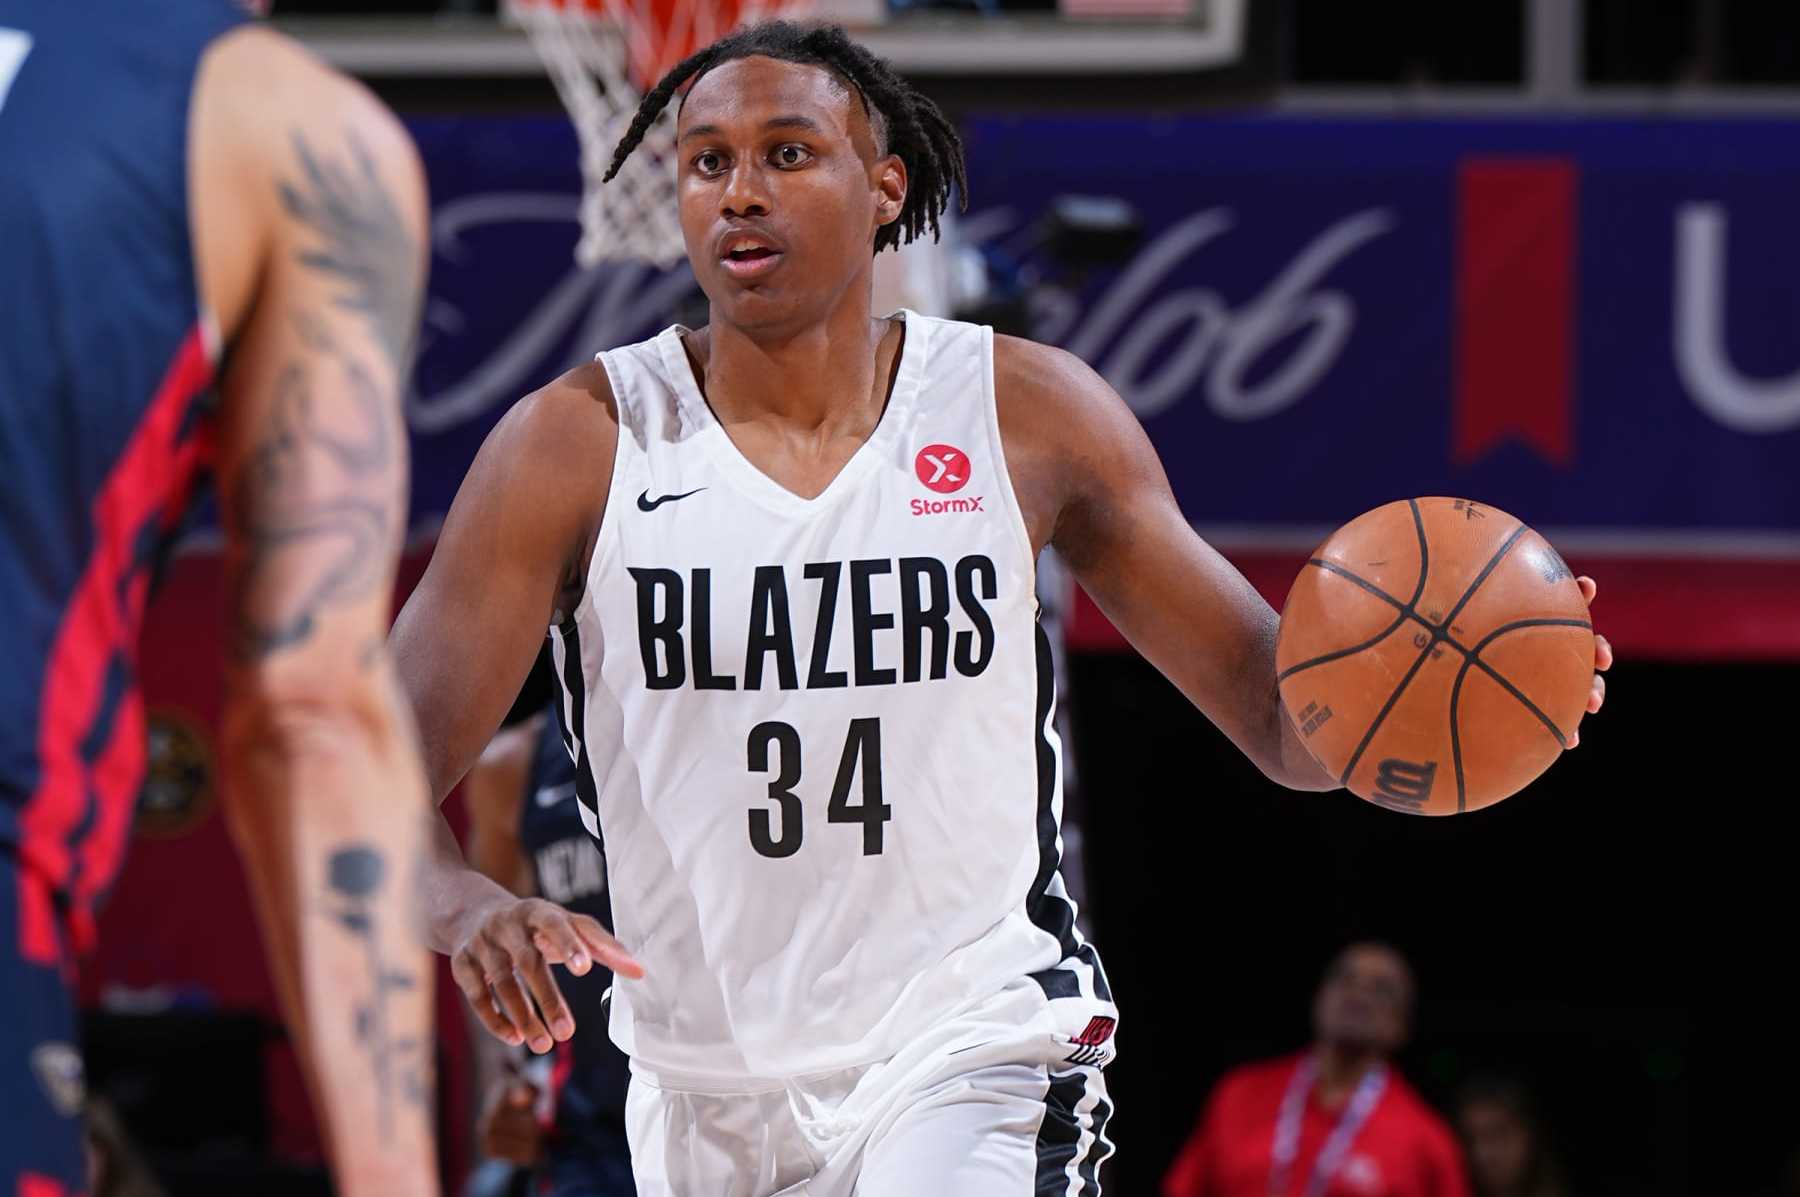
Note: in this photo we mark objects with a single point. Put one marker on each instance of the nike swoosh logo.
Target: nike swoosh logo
(646, 503)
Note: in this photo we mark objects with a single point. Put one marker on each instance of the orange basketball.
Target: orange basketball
(1435, 655)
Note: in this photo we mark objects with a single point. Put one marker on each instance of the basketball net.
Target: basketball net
(602, 56)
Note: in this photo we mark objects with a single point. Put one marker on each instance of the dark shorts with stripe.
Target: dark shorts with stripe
(41, 1088)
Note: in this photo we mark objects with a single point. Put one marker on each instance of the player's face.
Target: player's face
(1365, 1000)
(781, 191)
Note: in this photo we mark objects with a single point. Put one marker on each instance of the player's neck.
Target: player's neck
(817, 379)
(1341, 1067)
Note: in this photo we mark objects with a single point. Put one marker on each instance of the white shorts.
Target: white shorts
(987, 1105)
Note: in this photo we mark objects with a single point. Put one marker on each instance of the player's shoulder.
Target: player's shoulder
(559, 430)
(271, 122)
(1050, 389)
(1068, 435)
(267, 107)
(543, 475)
(1027, 371)
(1051, 405)
(580, 399)
(266, 82)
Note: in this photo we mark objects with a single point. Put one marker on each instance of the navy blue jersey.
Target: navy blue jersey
(571, 871)
(104, 362)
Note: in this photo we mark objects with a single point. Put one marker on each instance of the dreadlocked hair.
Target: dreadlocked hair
(907, 124)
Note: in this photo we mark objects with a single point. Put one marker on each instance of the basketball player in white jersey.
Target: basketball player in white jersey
(787, 561)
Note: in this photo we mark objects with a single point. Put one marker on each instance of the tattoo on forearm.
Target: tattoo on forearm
(401, 1063)
(316, 507)
(363, 241)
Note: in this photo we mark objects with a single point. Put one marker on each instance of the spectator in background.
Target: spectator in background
(1336, 1120)
(1504, 1138)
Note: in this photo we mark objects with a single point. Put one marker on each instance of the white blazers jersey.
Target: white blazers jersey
(818, 732)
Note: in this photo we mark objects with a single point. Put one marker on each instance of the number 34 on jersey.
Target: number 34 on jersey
(899, 612)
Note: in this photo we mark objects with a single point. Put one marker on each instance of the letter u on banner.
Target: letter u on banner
(1758, 406)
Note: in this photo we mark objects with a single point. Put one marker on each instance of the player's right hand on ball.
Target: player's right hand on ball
(503, 968)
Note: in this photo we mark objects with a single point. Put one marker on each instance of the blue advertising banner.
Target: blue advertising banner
(1312, 326)
(1293, 315)
(1591, 324)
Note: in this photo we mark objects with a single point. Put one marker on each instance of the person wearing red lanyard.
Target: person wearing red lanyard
(1336, 1120)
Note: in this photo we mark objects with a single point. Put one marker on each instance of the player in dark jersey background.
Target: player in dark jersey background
(211, 255)
(560, 1119)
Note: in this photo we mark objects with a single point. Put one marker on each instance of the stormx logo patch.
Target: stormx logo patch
(942, 468)
(946, 506)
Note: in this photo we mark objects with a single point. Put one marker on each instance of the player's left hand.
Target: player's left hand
(1603, 659)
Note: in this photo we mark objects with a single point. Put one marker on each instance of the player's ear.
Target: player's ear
(889, 177)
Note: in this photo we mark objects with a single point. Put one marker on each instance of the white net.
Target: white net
(592, 55)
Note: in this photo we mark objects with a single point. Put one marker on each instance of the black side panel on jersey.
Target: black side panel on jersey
(594, 1084)
(1050, 911)
(571, 715)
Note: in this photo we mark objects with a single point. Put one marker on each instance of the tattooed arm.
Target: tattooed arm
(308, 207)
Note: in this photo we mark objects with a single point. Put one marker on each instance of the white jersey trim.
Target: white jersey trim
(991, 396)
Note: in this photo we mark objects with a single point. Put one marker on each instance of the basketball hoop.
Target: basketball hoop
(602, 56)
